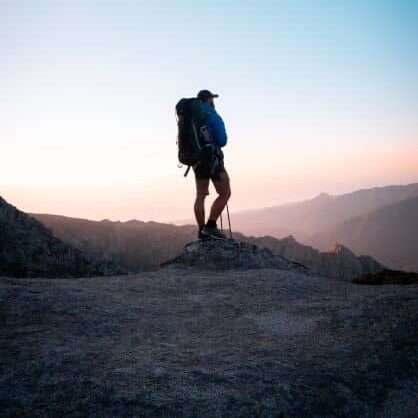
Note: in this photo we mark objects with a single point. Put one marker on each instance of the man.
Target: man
(211, 167)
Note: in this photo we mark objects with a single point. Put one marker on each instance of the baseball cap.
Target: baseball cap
(206, 94)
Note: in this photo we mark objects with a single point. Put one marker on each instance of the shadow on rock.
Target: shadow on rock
(388, 277)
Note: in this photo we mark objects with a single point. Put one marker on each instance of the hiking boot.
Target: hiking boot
(202, 236)
(212, 232)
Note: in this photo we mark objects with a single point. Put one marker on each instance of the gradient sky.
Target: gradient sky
(316, 96)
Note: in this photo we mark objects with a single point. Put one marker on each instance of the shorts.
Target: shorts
(210, 166)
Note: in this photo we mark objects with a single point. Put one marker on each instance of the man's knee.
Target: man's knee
(201, 196)
(225, 193)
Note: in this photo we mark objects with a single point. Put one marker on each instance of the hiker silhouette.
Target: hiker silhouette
(201, 136)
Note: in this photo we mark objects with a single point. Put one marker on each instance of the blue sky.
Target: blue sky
(308, 89)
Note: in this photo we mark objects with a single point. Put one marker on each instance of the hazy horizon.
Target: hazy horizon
(189, 215)
(316, 98)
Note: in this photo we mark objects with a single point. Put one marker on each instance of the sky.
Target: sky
(317, 96)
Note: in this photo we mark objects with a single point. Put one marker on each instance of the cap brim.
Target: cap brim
(215, 95)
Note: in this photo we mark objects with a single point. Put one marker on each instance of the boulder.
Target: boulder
(230, 254)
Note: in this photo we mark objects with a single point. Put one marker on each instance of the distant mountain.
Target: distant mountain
(390, 234)
(140, 246)
(136, 245)
(307, 218)
(29, 249)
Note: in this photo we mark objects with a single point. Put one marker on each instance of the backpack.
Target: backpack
(193, 135)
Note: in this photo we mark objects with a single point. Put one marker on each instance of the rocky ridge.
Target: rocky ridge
(341, 263)
(29, 249)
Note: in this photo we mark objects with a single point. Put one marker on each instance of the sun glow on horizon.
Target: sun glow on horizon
(315, 99)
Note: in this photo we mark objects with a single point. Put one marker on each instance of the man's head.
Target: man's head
(207, 96)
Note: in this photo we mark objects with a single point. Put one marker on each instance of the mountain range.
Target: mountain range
(381, 222)
(134, 244)
(139, 246)
(390, 234)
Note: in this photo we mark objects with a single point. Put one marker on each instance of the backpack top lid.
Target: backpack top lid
(194, 108)
(184, 106)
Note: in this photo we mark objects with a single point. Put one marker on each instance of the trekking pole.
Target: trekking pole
(229, 221)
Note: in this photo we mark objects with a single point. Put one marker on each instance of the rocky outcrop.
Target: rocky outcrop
(341, 263)
(28, 249)
(230, 254)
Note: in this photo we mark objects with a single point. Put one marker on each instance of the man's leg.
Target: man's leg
(223, 188)
(202, 190)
